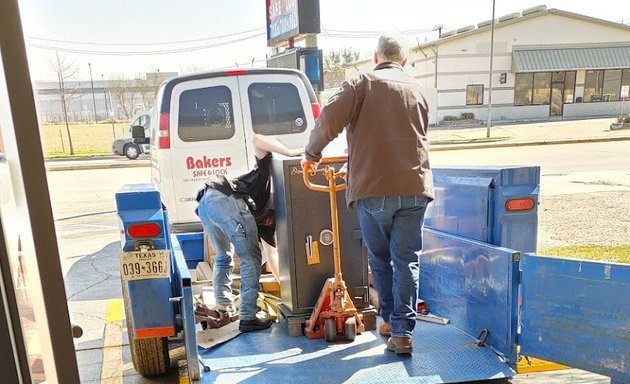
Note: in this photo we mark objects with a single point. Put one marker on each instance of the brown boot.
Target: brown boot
(385, 329)
(400, 345)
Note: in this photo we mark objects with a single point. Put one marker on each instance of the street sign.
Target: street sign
(290, 19)
(308, 60)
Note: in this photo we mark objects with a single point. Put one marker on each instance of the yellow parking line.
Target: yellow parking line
(183, 376)
(111, 371)
(115, 311)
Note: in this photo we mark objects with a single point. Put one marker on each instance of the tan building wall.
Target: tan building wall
(448, 66)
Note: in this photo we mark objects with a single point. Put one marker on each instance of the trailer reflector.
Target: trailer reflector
(144, 230)
(146, 333)
(520, 204)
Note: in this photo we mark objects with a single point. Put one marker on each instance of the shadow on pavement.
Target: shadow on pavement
(95, 276)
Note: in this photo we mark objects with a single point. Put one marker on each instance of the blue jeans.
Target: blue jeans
(228, 222)
(391, 228)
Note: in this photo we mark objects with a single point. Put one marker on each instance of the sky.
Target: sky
(131, 37)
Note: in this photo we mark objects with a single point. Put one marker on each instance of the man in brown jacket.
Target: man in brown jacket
(389, 177)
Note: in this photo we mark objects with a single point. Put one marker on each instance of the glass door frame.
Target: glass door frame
(33, 219)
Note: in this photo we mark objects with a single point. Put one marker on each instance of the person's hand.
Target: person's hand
(343, 171)
(308, 165)
(296, 152)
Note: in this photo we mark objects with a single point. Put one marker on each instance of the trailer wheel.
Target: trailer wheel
(350, 329)
(330, 329)
(149, 356)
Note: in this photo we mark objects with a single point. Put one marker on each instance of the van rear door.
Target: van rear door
(276, 105)
(207, 138)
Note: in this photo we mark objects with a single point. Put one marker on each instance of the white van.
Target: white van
(202, 125)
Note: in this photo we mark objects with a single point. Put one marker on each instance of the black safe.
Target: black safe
(300, 213)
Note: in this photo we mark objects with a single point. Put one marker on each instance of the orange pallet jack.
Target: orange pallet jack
(334, 312)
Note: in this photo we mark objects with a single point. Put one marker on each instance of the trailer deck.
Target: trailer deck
(442, 354)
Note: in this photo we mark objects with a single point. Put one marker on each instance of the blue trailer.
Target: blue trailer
(479, 269)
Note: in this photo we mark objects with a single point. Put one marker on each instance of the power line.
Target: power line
(333, 33)
(142, 53)
(146, 43)
(347, 34)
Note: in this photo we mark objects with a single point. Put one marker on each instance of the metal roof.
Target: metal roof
(528, 16)
(560, 59)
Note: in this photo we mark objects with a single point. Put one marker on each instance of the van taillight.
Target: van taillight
(143, 230)
(520, 204)
(235, 72)
(164, 136)
(316, 110)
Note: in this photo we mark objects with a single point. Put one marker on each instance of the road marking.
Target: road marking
(183, 372)
(115, 310)
(111, 369)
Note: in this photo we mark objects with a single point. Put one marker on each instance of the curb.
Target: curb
(455, 147)
(50, 166)
(80, 167)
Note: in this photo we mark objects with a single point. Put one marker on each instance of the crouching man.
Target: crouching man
(235, 214)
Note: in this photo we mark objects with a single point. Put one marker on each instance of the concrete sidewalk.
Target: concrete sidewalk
(519, 134)
(445, 138)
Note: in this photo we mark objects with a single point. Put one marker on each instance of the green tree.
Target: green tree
(335, 64)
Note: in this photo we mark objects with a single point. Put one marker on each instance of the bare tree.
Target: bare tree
(65, 69)
(122, 94)
(148, 86)
(146, 91)
(193, 68)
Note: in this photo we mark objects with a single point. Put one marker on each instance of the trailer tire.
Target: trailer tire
(149, 356)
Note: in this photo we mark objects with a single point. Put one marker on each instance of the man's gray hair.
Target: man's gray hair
(392, 46)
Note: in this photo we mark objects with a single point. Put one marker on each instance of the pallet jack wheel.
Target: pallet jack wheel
(330, 329)
(350, 329)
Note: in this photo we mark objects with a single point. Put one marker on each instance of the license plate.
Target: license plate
(139, 265)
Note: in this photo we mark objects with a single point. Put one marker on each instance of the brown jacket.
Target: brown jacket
(386, 121)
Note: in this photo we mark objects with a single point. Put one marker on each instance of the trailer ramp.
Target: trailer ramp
(442, 354)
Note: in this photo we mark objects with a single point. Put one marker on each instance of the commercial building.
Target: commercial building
(547, 64)
(90, 100)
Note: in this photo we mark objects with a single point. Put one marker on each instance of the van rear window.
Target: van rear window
(276, 108)
(206, 114)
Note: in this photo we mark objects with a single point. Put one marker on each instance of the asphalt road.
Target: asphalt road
(84, 210)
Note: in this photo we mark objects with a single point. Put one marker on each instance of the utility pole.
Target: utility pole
(93, 97)
(106, 108)
(490, 77)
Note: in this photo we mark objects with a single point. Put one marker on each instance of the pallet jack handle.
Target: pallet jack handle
(309, 170)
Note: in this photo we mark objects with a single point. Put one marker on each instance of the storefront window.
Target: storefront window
(569, 87)
(474, 94)
(625, 85)
(557, 77)
(612, 85)
(542, 88)
(535, 88)
(593, 86)
(523, 89)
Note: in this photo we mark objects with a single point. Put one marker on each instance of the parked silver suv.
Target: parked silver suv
(127, 146)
